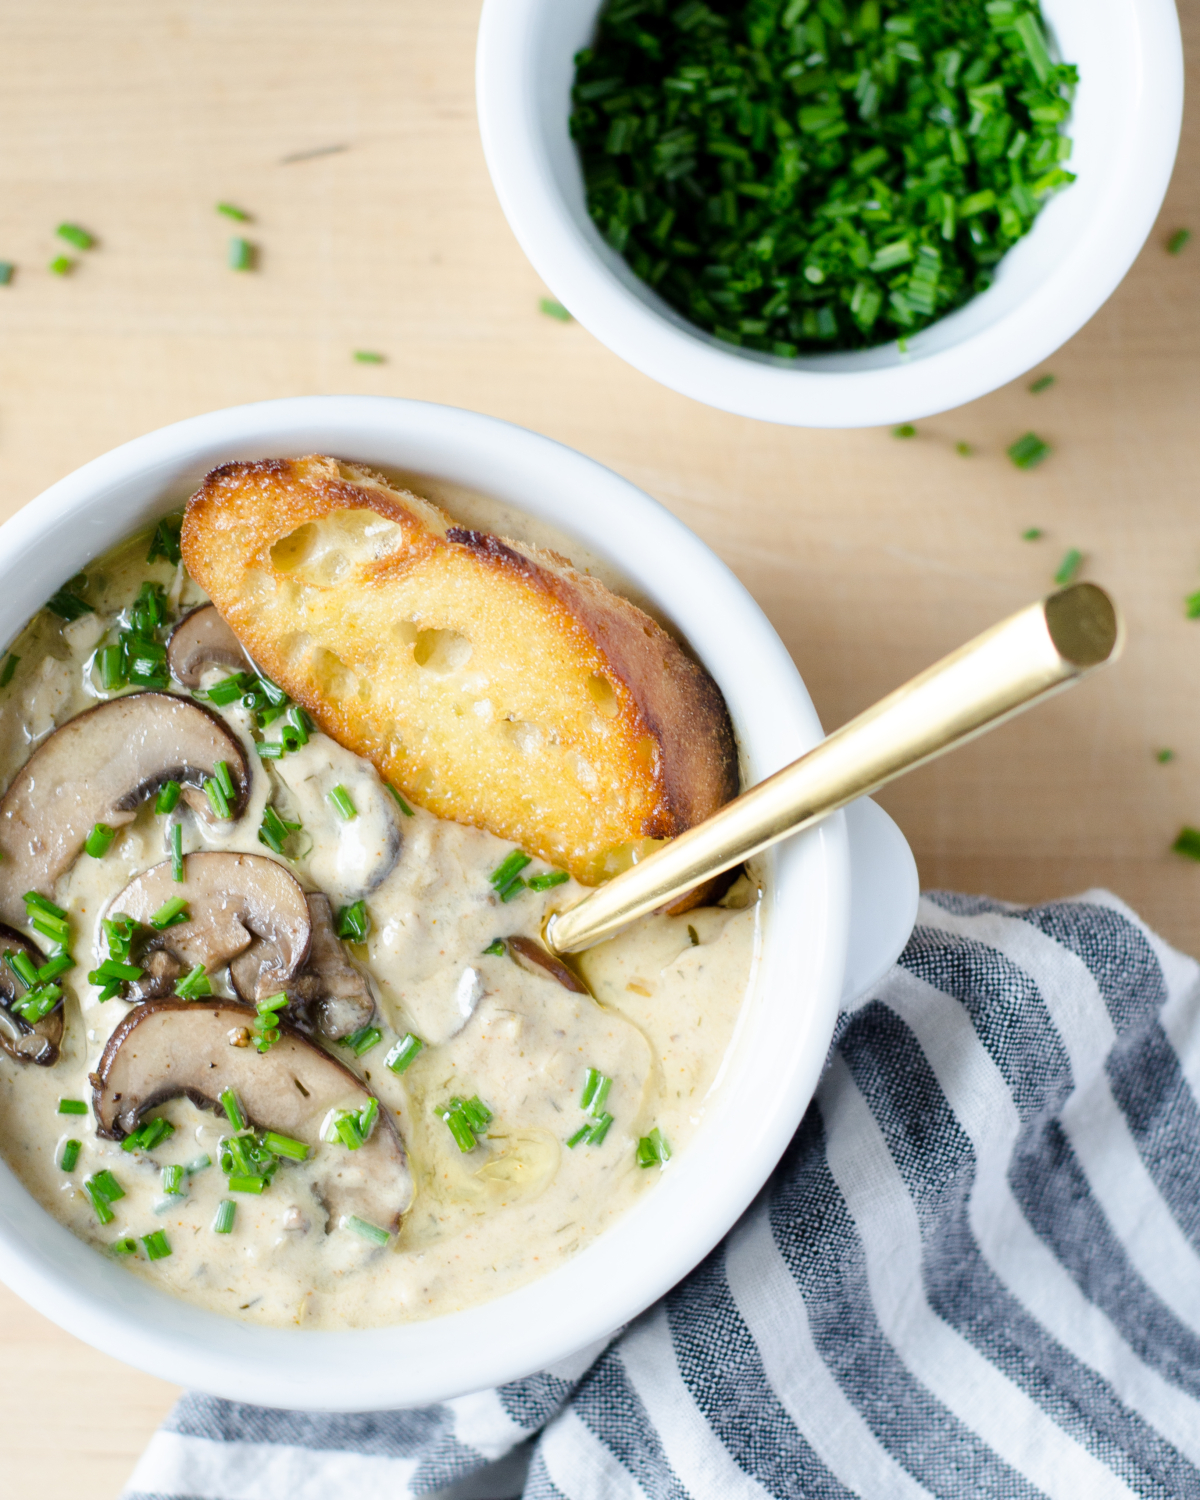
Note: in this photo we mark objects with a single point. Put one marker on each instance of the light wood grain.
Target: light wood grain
(872, 556)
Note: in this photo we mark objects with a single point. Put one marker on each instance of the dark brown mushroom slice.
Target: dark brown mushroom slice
(168, 1049)
(329, 992)
(161, 970)
(529, 954)
(203, 639)
(98, 768)
(231, 900)
(37, 1043)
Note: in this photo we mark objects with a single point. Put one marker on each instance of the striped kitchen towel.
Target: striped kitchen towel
(976, 1272)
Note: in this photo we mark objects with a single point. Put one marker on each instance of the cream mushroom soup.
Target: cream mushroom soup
(282, 1042)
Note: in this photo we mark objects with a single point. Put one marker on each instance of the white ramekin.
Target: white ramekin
(1125, 126)
(780, 1046)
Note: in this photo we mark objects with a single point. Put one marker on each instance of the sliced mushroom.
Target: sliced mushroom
(231, 899)
(37, 1043)
(529, 955)
(170, 1048)
(328, 992)
(203, 639)
(98, 768)
(160, 970)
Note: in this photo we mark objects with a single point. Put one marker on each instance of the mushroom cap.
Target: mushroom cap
(166, 1049)
(232, 899)
(97, 768)
(28, 1044)
(202, 639)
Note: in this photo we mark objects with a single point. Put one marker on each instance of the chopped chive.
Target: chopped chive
(1042, 383)
(512, 890)
(168, 797)
(343, 806)
(22, 966)
(247, 1184)
(597, 1132)
(554, 309)
(110, 662)
(1178, 240)
(194, 984)
(1028, 451)
(6, 275)
(226, 1212)
(365, 1230)
(1164, 756)
(177, 851)
(653, 1149)
(547, 881)
(1191, 606)
(100, 1205)
(964, 450)
(1069, 566)
(353, 923)
(170, 914)
(100, 840)
(110, 968)
(51, 927)
(70, 1155)
(157, 1245)
(399, 800)
(217, 798)
(275, 832)
(284, 1145)
(125, 1246)
(75, 235)
(198, 1164)
(241, 254)
(225, 778)
(403, 1052)
(61, 265)
(61, 963)
(361, 1042)
(107, 1185)
(37, 1003)
(905, 430)
(1188, 843)
(1032, 534)
(496, 948)
(172, 1180)
(693, 936)
(269, 750)
(368, 357)
(580, 1135)
(227, 691)
(72, 1107)
(68, 606)
(35, 901)
(10, 666)
(148, 1135)
(272, 1003)
(233, 1110)
(120, 930)
(165, 542)
(591, 1083)
(367, 1116)
(231, 211)
(508, 869)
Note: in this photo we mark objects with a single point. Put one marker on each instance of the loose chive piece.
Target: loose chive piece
(157, 1245)
(342, 803)
(177, 852)
(361, 1042)
(37, 1003)
(61, 963)
(1028, 451)
(168, 797)
(580, 1135)
(403, 1052)
(241, 254)
(353, 923)
(512, 889)
(508, 869)
(284, 1145)
(227, 691)
(1188, 843)
(10, 666)
(1178, 240)
(70, 1155)
(231, 211)
(247, 1184)
(100, 840)
(6, 272)
(170, 914)
(226, 1213)
(905, 430)
(1191, 606)
(693, 936)
(172, 1180)
(368, 357)
(964, 450)
(275, 832)
(554, 309)
(1163, 756)
(22, 966)
(1032, 534)
(653, 1149)
(165, 542)
(100, 1204)
(1042, 383)
(148, 1135)
(194, 984)
(68, 606)
(72, 1107)
(233, 1110)
(365, 1230)
(120, 931)
(597, 1132)
(111, 969)
(591, 1085)
(198, 1164)
(496, 948)
(108, 1185)
(110, 663)
(218, 797)
(125, 1246)
(548, 881)
(1069, 566)
(75, 235)
(399, 801)
(61, 265)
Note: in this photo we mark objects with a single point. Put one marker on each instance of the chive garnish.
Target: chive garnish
(342, 803)
(466, 1119)
(157, 1245)
(172, 1180)
(22, 966)
(597, 1132)
(693, 936)
(368, 357)
(61, 265)
(198, 1164)
(228, 690)
(653, 1149)
(170, 914)
(110, 968)
(6, 275)
(233, 1110)
(100, 1205)
(964, 450)
(70, 1155)
(165, 541)
(351, 1127)
(361, 1041)
(226, 1211)
(168, 797)
(75, 235)
(365, 1230)
(1042, 383)
(68, 606)
(1187, 842)
(548, 881)
(508, 869)
(1028, 451)
(241, 254)
(496, 948)
(284, 1145)
(177, 851)
(72, 1107)
(125, 1246)
(120, 931)
(353, 923)
(1178, 240)
(275, 831)
(512, 889)
(37, 1002)
(595, 1090)
(554, 309)
(148, 1135)
(403, 1052)
(580, 1135)
(10, 666)
(217, 796)
(1069, 566)
(1032, 534)
(194, 984)
(1164, 756)
(100, 840)
(247, 1184)
(399, 800)
(61, 963)
(231, 211)
(110, 665)
(905, 430)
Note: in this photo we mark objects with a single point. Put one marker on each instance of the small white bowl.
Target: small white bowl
(818, 944)
(1125, 126)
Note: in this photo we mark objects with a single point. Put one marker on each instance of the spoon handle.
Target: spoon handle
(1038, 651)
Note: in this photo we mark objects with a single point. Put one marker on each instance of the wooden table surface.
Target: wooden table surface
(871, 555)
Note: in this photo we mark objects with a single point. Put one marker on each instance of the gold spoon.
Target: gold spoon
(1038, 651)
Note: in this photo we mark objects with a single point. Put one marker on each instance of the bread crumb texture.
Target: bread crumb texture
(486, 679)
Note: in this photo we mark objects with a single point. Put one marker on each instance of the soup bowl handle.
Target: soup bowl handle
(883, 898)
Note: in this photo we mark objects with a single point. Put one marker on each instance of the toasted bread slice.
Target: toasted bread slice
(488, 680)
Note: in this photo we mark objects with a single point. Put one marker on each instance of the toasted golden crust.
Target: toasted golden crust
(486, 679)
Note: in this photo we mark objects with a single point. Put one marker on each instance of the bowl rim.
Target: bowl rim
(594, 285)
(668, 1231)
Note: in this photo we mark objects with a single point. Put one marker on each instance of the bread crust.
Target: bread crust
(486, 679)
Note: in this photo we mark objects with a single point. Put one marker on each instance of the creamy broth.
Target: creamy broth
(482, 1222)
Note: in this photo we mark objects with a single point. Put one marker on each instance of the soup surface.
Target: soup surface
(490, 1209)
